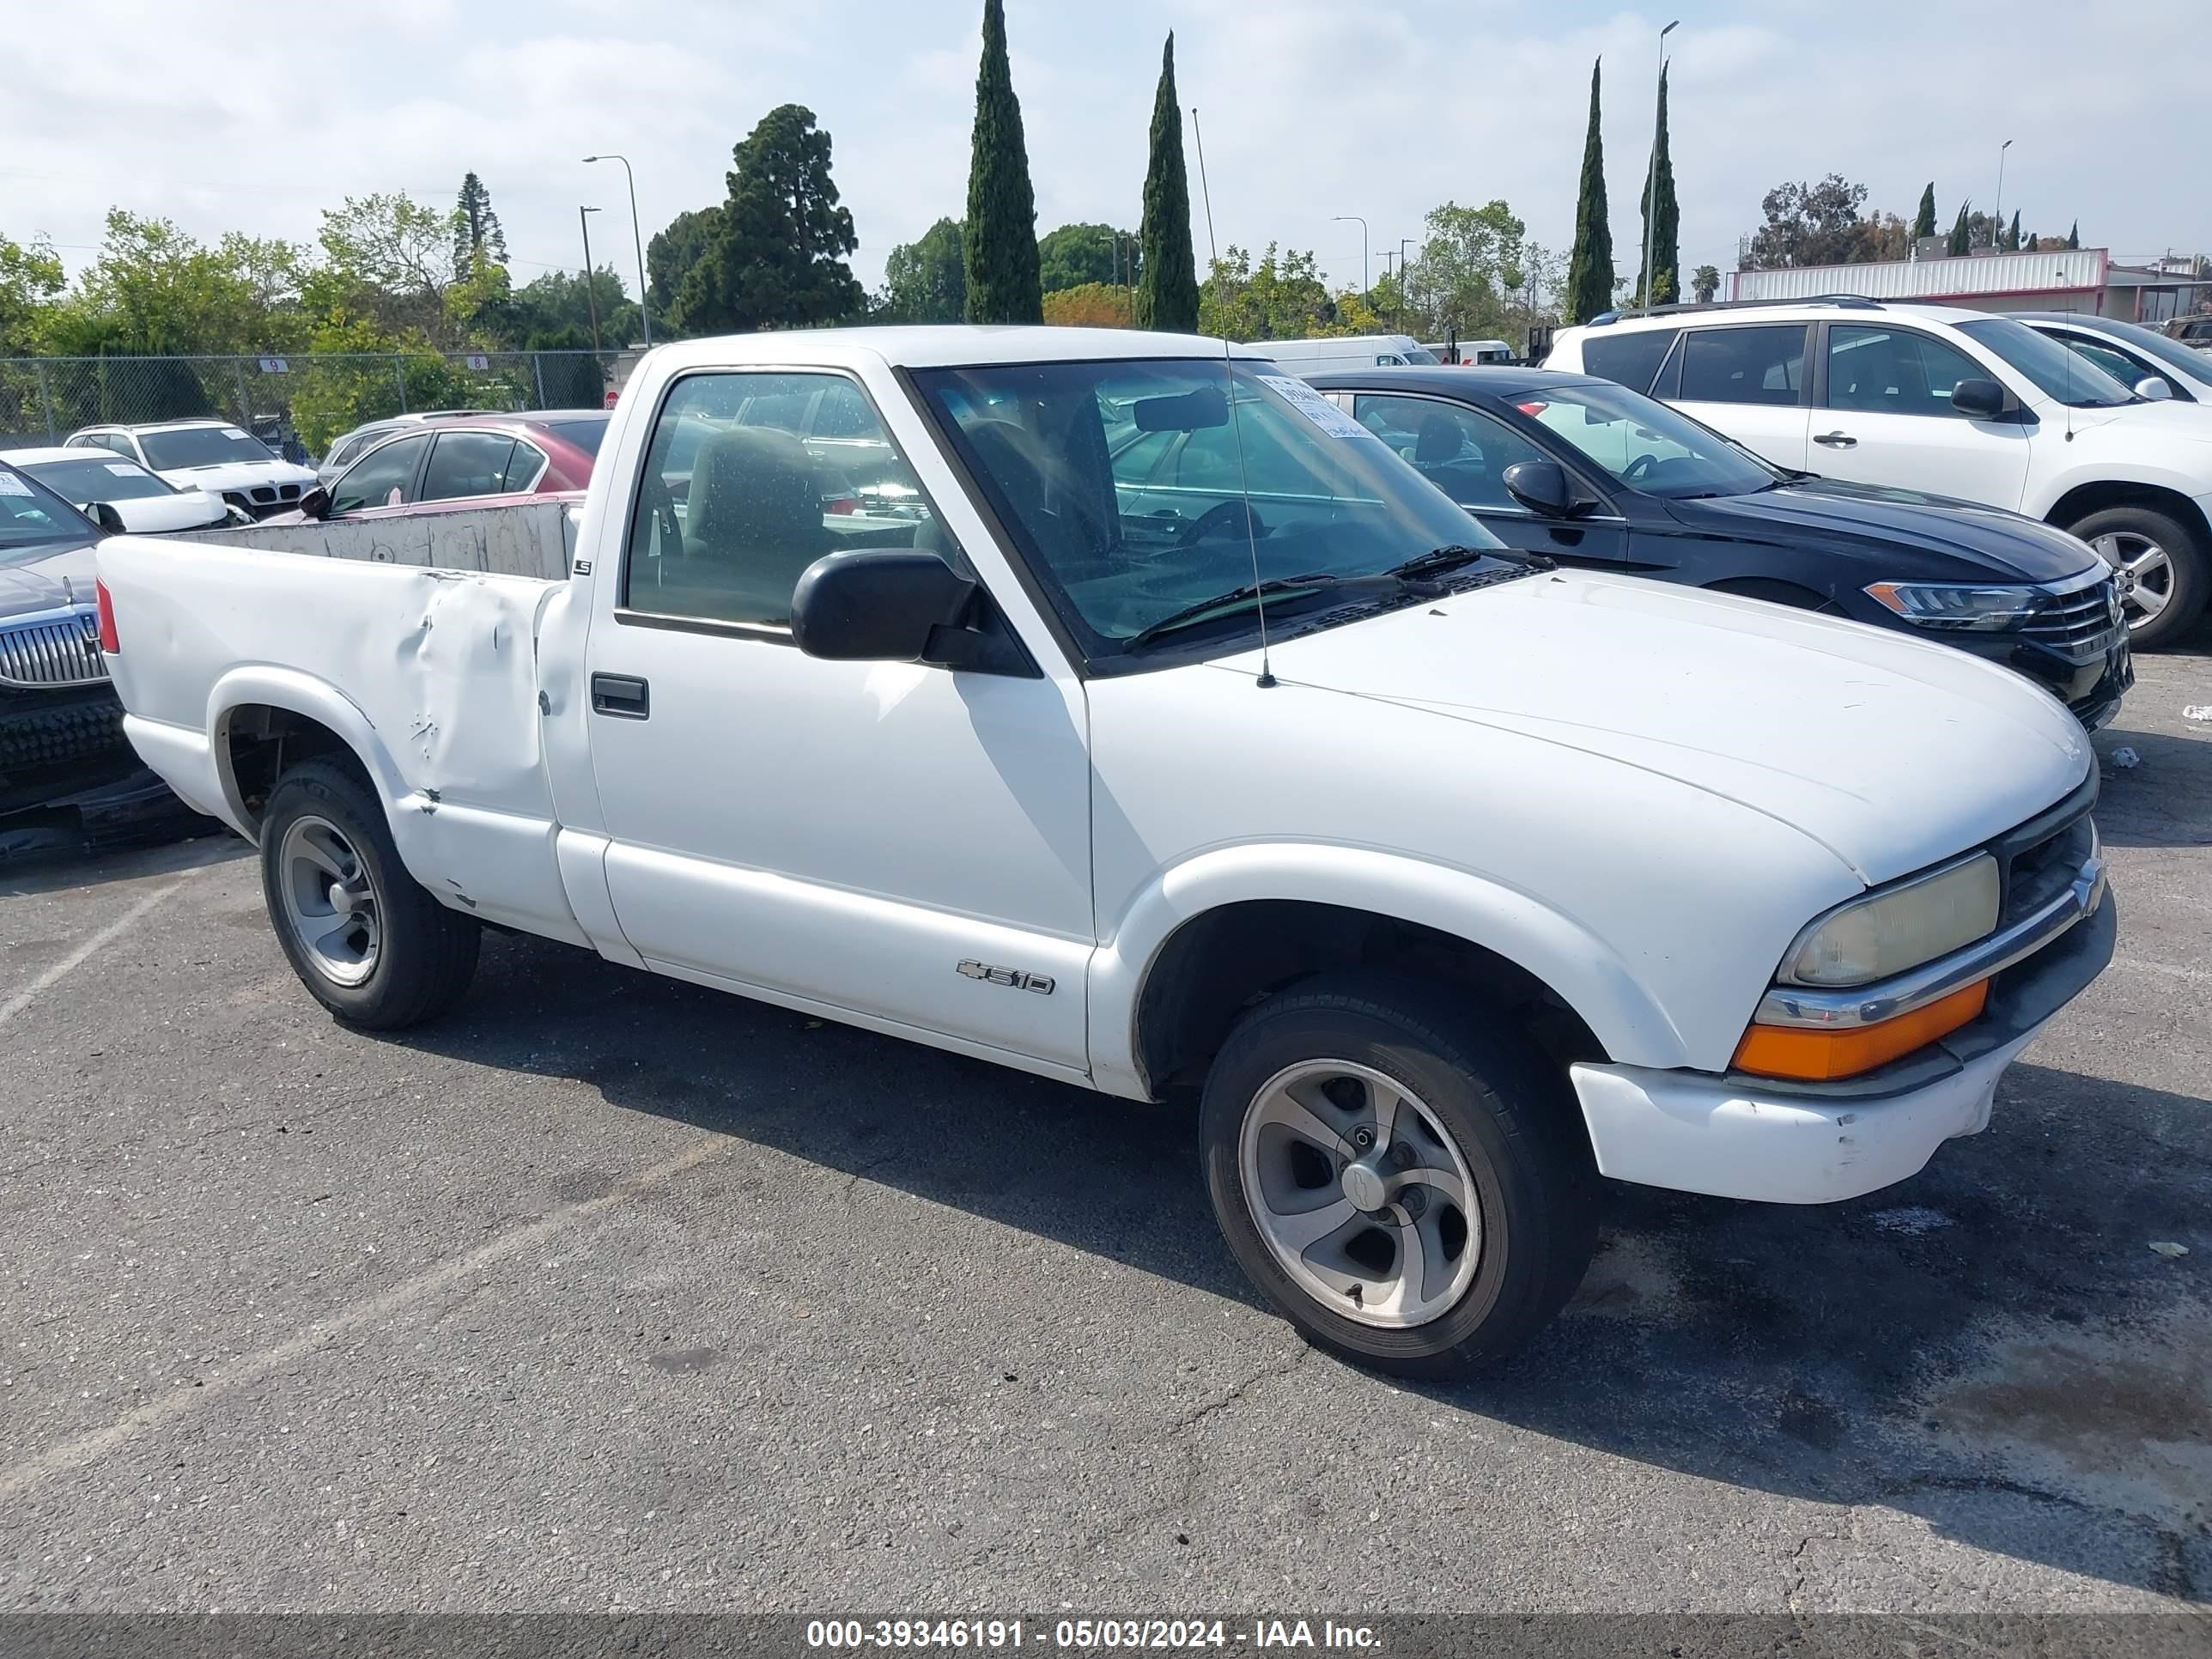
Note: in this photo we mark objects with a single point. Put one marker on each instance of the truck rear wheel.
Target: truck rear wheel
(364, 937)
(1411, 1191)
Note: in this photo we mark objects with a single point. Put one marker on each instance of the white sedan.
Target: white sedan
(145, 504)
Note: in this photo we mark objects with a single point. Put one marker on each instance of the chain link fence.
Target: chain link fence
(296, 403)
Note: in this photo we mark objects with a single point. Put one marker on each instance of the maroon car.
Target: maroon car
(508, 456)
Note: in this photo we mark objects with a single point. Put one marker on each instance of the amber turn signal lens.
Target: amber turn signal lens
(1817, 1056)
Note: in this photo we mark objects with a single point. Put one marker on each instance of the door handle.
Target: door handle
(622, 696)
(1837, 440)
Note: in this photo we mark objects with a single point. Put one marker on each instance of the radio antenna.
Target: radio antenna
(1267, 680)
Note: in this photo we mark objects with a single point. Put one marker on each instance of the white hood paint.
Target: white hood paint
(1891, 752)
(237, 475)
(159, 516)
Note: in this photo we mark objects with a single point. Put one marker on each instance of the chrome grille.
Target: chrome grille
(55, 648)
(2080, 624)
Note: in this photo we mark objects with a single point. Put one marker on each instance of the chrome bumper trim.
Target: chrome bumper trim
(1869, 1004)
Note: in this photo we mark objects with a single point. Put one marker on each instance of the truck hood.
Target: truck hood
(1987, 543)
(59, 579)
(1891, 753)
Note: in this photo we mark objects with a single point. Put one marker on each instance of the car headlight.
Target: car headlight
(1958, 604)
(1900, 927)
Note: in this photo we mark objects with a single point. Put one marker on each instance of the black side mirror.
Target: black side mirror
(106, 515)
(315, 503)
(1543, 488)
(1979, 399)
(881, 605)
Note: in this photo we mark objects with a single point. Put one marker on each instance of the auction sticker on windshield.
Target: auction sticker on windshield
(1314, 407)
(12, 485)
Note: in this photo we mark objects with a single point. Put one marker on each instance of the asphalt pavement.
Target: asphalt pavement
(611, 1293)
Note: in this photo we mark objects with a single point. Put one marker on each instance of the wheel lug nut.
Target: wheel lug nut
(1363, 1138)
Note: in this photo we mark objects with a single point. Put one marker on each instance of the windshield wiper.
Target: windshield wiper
(1452, 556)
(1203, 608)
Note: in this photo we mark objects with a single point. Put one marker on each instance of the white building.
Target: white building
(2085, 279)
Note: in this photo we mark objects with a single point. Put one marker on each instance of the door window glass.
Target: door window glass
(523, 467)
(1462, 452)
(381, 478)
(737, 502)
(1631, 359)
(1891, 371)
(467, 463)
(1744, 365)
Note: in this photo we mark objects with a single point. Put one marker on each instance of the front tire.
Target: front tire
(1410, 1189)
(366, 939)
(2164, 570)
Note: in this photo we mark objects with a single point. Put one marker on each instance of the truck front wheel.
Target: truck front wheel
(365, 937)
(1410, 1189)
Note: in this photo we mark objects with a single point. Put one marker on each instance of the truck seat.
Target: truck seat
(752, 524)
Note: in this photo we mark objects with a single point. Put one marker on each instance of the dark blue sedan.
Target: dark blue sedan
(1591, 473)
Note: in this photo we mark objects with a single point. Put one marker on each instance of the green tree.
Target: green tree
(1470, 275)
(387, 259)
(1924, 222)
(1705, 282)
(1663, 214)
(1088, 305)
(31, 280)
(777, 258)
(2012, 234)
(154, 290)
(2074, 235)
(1962, 231)
(998, 236)
(1589, 265)
(557, 304)
(668, 256)
(477, 234)
(1280, 298)
(926, 281)
(1075, 255)
(1815, 224)
(1167, 289)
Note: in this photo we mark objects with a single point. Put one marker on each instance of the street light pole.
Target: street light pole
(1347, 218)
(591, 296)
(1651, 180)
(644, 311)
(1996, 225)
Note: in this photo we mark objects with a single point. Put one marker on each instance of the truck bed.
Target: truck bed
(430, 673)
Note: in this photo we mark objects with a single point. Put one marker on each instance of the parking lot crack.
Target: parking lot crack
(1237, 1391)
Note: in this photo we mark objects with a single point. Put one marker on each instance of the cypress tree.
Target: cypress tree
(1962, 233)
(2073, 236)
(1924, 222)
(1664, 227)
(476, 229)
(2012, 236)
(1589, 266)
(998, 240)
(1167, 289)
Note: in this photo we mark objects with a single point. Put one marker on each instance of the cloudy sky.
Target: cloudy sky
(239, 114)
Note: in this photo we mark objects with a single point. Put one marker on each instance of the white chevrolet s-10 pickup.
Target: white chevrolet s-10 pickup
(1111, 705)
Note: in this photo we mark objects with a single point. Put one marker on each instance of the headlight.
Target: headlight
(1958, 604)
(1887, 932)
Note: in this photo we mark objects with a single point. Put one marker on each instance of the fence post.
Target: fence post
(244, 403)
(400, 380)
(46, 401)
(538, 367)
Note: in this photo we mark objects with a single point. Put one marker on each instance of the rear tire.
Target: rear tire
(366, 938)
(1428, 1236)
(2165, 571)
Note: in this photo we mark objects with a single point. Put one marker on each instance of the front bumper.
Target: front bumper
(1754, 1138)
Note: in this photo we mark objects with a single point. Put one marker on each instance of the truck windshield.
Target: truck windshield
(34, 521)
(1137, 489)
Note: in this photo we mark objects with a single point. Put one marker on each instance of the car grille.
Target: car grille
(55, 647)
(2040, 860)
(2081, 624)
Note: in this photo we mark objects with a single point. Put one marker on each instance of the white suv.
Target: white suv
(1947, 402)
